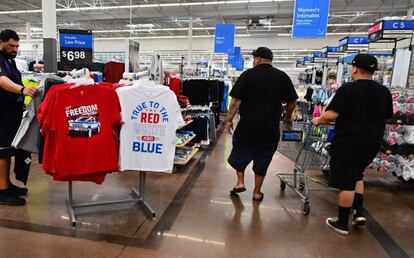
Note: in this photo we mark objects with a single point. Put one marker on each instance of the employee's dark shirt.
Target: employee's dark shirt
(363, 107)
(10, 102)
(262, 90)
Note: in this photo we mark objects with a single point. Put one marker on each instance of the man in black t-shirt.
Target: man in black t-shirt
(258, 94)
(12, 95)
(360, 110)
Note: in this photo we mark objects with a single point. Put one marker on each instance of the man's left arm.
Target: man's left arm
(239, 93)
(231, 113)
(325, 118)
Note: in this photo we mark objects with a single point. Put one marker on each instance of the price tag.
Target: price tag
(73, 55)
(76, 48)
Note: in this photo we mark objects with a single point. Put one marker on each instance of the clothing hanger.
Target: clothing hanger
(82, 78)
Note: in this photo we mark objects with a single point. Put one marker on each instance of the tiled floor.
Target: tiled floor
(197, 218)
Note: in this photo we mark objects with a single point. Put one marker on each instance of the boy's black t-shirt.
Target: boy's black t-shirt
(363, 107)
(262, 90)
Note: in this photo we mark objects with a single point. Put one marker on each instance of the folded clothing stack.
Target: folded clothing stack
(182, 154)
(403, 106)
(399, 134)
(183, 136)
(399, 165)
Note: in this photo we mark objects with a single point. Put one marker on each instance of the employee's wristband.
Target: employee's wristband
(22, 90)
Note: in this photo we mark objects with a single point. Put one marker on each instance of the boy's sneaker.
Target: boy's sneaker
(337, 226)
(11, 200)
(18, 191)
(358, 218)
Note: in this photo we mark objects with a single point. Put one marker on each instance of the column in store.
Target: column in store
(49, 35)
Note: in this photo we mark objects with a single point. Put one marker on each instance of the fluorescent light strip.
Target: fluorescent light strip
(101, 8)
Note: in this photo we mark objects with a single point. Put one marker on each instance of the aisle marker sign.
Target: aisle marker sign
(75, 48)
(224, 38)
(310, 18)
(399, 25)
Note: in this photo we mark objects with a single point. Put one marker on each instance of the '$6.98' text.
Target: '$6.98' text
(72, 55)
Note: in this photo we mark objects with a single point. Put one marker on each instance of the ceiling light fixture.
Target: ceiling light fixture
(137, 28)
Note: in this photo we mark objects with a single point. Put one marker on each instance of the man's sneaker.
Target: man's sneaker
(359, 221)
(11, 200)
(358, 218)
(18, 191)
(335, 225)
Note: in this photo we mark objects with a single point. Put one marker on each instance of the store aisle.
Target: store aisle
(199, 219)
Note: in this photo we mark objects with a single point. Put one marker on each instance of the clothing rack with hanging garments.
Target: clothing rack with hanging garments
(203, 125)
(138, 194)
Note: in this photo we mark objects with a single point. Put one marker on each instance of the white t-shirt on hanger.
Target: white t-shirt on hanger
(151, 116)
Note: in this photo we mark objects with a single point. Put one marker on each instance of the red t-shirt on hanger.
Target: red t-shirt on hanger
(81, 125)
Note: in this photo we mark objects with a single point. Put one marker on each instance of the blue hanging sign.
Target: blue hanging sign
(310, 18)
(399, 25)
(224, 38)
(233, 56)
(240, 65)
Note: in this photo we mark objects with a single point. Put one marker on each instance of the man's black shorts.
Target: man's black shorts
(260, 154)
(345, 174)
(9, 124)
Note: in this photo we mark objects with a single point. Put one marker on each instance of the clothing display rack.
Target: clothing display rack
(138, 194)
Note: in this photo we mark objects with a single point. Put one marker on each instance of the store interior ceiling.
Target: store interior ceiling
(111, 19)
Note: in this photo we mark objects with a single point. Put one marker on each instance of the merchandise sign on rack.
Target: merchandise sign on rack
(299, 63)
(318, 57)
(310, 18)
(76, 47)
(224, 38)
(391, 30)
(327, 50)
(307, 59)
(352, 43)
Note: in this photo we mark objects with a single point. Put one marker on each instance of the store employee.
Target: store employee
(12, 95)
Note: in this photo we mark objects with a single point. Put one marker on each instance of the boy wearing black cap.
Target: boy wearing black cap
(360, 109)
(258, 94)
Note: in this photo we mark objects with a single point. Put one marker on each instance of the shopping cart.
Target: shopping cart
(313, 155)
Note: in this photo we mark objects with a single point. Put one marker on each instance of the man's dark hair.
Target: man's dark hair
(6, 35)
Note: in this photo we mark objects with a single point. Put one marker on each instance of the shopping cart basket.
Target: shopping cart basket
(313, 154)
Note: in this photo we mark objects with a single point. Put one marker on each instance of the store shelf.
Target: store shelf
(185, 143)
(184, 125)
(190, 156)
